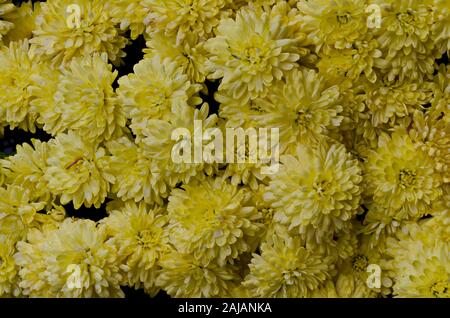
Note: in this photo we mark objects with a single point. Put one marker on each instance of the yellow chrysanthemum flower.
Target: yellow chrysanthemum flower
(419, 263)
(76, 171)
(351, 63)
(441, 29)
(27, 168)
(177, 18)
(141, 238)
(302, 106)
(406, 40)
(335, 24)
(18, 65)
(176, 159)
(440, 104)
(23, 18)
(388, 101)
(17, 211)
(286, 268)
(60, 35)
(400, 177)
(131, 14)
(182, 275)
(252, 51)
(6, 6)
(356, 276)
(136, 177)
(43, 90)
(155, 89)
(8, 269)
(85, 98)
(316, 192)
(434, 133)
(212, 220)
(75, 260)
(190, 54)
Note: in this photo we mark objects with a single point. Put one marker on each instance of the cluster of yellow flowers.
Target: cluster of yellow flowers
(360, 93)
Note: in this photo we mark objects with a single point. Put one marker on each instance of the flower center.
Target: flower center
(322, 187)
(406, 178)
(441, 289)
(406, 17)
(267, 213)
(153, 97)
(213, 217)
(343, 18)
(255, 107)
(146, 238)
(360, 263)
(254, 55)
(303, 118)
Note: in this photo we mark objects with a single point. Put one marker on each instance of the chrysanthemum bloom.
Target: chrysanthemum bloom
(27, 168)
(441, 29)
(24, 21)
(18, 64)
(136, 177)
(286, 268)
(31, 265)
(406, 39)
(8, 269)
(176, 158)
(354, 274)
(156, 88)
(265, 209)
(75, 260)
(76, 171)
(252, 158)
(252, 51)
(212, 220)
(302, 106)
(333, 24)
(17, 210)
(434, 133)
(316, 192)
(60, 35)
(130, 14)
(388, 101)
(182, 275)
(419, 262)
(190, 53)
(441, 95)
(6, 7)
(177, 18)
(43, 90)
(401, 177)
(351, 63)
(140, 236)
(85, 98)
(341, 246)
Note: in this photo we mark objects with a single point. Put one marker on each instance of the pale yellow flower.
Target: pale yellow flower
(76, 171)
(58, 38)
(316, 192)
(140, 236)
(286, 269)
(75, 260)
(18, 65)
(252, 51)
(212, 220)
